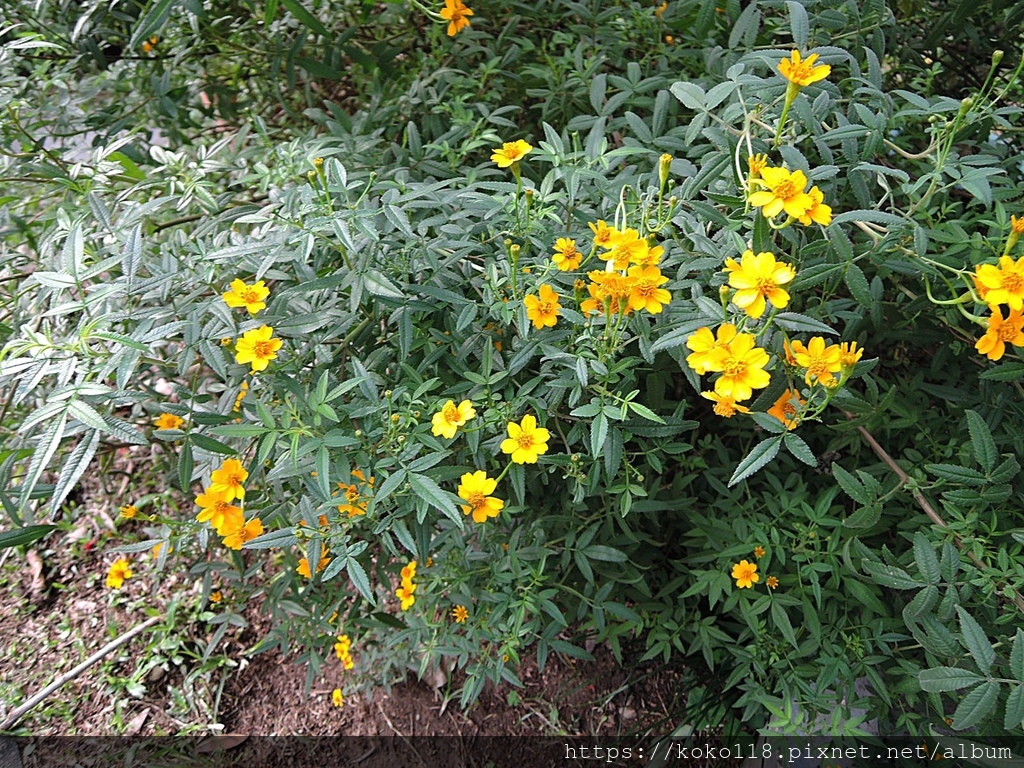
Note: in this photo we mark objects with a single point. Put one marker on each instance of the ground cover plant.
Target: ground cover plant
(686, 330)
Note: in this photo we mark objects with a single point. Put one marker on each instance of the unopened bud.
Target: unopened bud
(997, 56)
(724, 292)
(514, 250)
(387, 393)
(359, 433)
(318, 163)
(664, 165)
(395, 418)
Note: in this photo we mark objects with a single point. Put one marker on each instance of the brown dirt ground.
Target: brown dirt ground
(56, 611)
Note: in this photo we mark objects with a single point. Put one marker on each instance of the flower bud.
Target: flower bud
(664, 165)
(997, 56)
(387, 393)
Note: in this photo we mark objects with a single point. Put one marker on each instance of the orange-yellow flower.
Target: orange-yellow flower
(772, 582)
(257, 347)
(303, 567)
(456, 13)
(510, 152)
(448, 420)
(406, 596)
(219, 512)
(849, 354)
(460, 614)
(119, 571)
(216, 597)
(819, 213)
(228, 479)
(757, 278)
(169, 421)
(725, 406)
(820, 361)
(758, 551)
(566, 256)
(1000, 333)
(525, 442)
(742, 366)
(646, 291)
(475, 488)
(543, 311)
(627, 248)
(249, 296)
(342, 649)
(609, 292)
(129, 511)
(707, 350)
(1003, 284)
(803, 73)
(786, 408)
(337, 698)
(247, 532)
(745, 574)
(756, 164)
(603, 234)
(784, 192)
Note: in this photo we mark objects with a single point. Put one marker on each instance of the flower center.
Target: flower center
(734, 368)
(818, 367)
(512, 153)
(352, 494)
(244, 535)
(262, 349)
(786, 189)
(249, 296)
(724, 408)
(1013, 282)
(765, 285)
(801, 71)
(525, 441)
(452, 415)
(788, 408)
(544, 308)
(476, 500)
(645, 288)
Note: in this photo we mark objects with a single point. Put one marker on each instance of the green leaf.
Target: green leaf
(74, 468)
(568, 649)
(608, 554)
(213, 446)
(891, 576)
(976, 641)
(864, 517)
(308, 19)
(851, 485)
(796, 446)
(798, 24)
(598, 434)
(858, 285)
(1004, 372)
(759, 456)
(357, 574)
(976, 706)
(793, 321)
(1017, 656)
(1014, 717)
(981, 438)
(427, 489)
(283, 537)
(782, 623)
(942, 679)
(957, 474)
(647, 413)
(152, 22)
(185, 465)
(927, 560)
(20, 536)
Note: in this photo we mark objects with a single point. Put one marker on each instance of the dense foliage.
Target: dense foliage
(542, 333)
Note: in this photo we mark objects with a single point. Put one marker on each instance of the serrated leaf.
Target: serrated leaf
(1013, 718)
(957, 474)
(74, 468)
(851, 485)
(927, 560)
(1017, 656)
(864, 517)
(976, 641)
(798, 24)
(647, 413)
(941, 679)
(858, 285)
(426, 488)
(793, 321)
(357, 574)
(796, 446)
(283, 537)
(781, 620)
(608, 554)
(214, 446)
(981, 438)
(976, 706)
(759, 456)
(891, 576)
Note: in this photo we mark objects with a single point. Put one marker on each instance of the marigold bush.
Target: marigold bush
(683, 366)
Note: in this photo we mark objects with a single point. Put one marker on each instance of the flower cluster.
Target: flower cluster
(355, 499)
(781, 191)
(405, 593)
(342, 648)
(303, 567)
(217, 509)
(999, 285)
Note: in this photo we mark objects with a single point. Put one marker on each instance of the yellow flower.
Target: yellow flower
(724, 406)
(646, 291)
(543, 310)
(627, 248)
(119, 571)
(475, 488)
(849, 354)
(707, 350)
(745, 574)
(1003, 284)
(603, 234)
(510, 152)
(228, 479)
(1017, 225)
(129, 511)
(661, 9)
(448, 420)
(1000, 333)
(247, 532)
(226, 341)
(803, 73)
(650, 259)
(772, 582)
(566, 256)
(820, 361)
(169, 421)
(257, 347)
(819, 213)
(216, 597)
(785, 409)
(249, 296)
(405, 594)
(460, 614)
(609, 292)
(785, 192)
(337, 698)
(455, 11)
(342, 648)
(742, 366)
(303, 567)
(756, 164)
(525, 441)
(218, 510)
(757, 278)
(758, 551)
